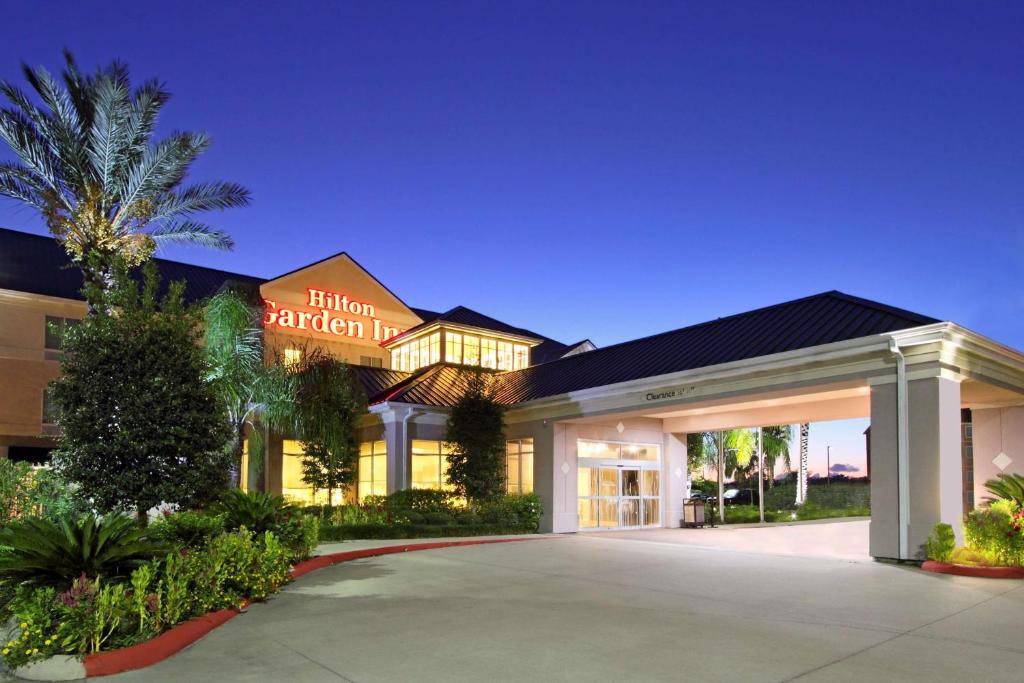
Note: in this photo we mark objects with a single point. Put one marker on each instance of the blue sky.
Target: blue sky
(602, 170)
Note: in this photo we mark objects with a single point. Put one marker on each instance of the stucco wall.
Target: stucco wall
(996, 430)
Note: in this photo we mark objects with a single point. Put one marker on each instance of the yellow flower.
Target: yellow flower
(24, 625)
(6, 650)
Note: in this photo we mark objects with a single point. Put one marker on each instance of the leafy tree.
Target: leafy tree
(775, 445)
(257, 396)
(476, 436)
(140, 421)
(329, 406)
(87, 161)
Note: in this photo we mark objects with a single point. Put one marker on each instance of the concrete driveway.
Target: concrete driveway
(593, 608)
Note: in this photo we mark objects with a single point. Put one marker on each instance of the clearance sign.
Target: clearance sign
(359, 320)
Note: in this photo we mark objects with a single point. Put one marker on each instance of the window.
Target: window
(54, 334)
(505, 359)
(418, 353)
(292, 356)
(610, 450)
(50, 410)
(453, 347)
(429, 464)
(470, 350)
(522, 357)
(519, 466)
(292, 485)
(488, 353)
(373, 469)
(372, 361)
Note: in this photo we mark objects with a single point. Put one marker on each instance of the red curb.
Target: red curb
(181, 636)
(979, 572)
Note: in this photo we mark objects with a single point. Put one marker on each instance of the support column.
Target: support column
(398, 455)
(673, 477)
(934, 487)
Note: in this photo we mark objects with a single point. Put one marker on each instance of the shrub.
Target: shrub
(941, 543)
(422, 500)
(300, 534)
(1007, 487)
(187, 529)
(969, 557)
(40, 552)
(15, 489)
(255, 510)
(997, 532)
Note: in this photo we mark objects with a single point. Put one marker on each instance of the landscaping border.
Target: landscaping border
(979, 572)
(181, 636)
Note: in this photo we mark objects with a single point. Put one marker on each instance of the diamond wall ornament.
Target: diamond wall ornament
(565, 468)
(620, 428)
(1002, 461)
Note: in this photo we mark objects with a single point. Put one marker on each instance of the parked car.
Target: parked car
(740, 497)
(698, 495)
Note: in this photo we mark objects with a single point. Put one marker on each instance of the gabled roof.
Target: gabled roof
(37, 264)
(804, 323)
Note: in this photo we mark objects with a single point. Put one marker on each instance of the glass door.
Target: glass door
(614, 497)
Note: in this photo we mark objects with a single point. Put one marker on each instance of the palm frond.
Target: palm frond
(63, 128)
(161, 168)
(191, 232)
(18, 182)
(107, 132)
(209, 196)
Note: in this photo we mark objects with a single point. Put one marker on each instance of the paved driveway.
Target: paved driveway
(591, 608)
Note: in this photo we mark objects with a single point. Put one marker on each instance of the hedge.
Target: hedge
(347, 532)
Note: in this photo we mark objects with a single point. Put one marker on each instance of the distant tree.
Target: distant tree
(257, 392)
(87, 161)
(329, 407)
(775, 444)
(476, 436)
(140, 421)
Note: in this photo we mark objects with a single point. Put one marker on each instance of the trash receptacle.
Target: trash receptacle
(693, 513)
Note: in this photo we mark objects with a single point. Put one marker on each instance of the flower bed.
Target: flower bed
(973, 570)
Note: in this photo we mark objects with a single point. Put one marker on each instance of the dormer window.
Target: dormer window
(462, 346)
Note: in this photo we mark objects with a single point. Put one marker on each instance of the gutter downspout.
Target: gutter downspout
(902, 449)
(412, 412)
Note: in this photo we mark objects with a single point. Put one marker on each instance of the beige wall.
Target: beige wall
(24, 370)
(996, 430)
(344, 276)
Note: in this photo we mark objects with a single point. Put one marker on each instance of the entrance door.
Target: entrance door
(619, 496)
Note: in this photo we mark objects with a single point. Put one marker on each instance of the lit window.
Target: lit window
(471, 350)
(522, 357)
(292, 356)
(371, 361)
(395, 360)
(373, 469)
(292, 485)
(429, 465)
(404, 364)
(424, 351)
(453, 347)
(488, 353)
(504, 355)
(435, 348)
(519, 466)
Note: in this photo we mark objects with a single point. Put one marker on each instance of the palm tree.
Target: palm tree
(87, 161)
(775, 445)
(801, 480)
(258, 396)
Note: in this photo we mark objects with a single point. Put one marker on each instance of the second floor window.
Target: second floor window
(55, 334)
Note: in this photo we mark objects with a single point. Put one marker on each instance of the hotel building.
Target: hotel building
(598, 433)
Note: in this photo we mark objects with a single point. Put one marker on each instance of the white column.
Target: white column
(673, 478)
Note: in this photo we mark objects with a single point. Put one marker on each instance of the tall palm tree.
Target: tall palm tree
(775, 444)
(258, 396)
(87, 161)
(801, 480)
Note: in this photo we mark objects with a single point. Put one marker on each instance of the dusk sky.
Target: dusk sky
(601, 170)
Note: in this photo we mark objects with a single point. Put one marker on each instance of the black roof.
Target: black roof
(375, 380)
(39, 265)
(804, 323)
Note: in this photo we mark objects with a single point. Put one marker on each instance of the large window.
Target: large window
(611, 450)
(292, 485)
(373, 469)
(429, 464)
(469, 349)
(519, 466)
(55, 332)
(618, 485)
(417, 353)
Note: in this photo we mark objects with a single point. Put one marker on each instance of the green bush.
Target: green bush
(255, 510)
(187, 529)
(941, 543)
(421, 500)
(813, 510)
(1007, 487)
(997, 532)
(404, 531)
(41, 552)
